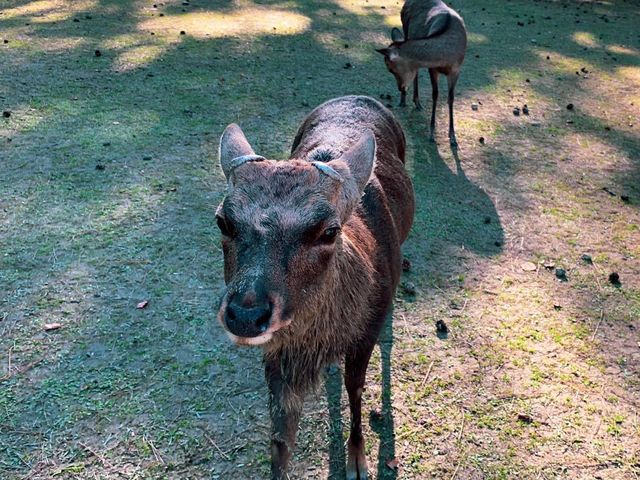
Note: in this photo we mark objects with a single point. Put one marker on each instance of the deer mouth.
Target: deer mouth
(267, 330)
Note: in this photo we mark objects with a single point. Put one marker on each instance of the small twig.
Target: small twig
(103, 461)
(426, 377)
(20, 370)
(597, 326)
(224, 455)
(464, 306)
(593, 435)
(9, 361)
(155, 451)
(461, 426)
(455, 472)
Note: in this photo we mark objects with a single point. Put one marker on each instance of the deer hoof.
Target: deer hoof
(357, 464)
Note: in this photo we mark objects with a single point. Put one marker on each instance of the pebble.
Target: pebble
(586, 258)
(614, 278)
(474, 107)
(525, 109)
(561, 274)
(406, 265)
(6, 114)
(516, 111)
(441, 327)
(409, 288)
(570, 106)
(481, 140)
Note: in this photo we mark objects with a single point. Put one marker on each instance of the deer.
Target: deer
(433, 36)
(312, 256)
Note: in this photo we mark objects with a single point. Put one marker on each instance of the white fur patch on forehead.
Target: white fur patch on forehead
(393, 55)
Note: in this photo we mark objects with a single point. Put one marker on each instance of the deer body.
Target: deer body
(434, 37)
(312, 255)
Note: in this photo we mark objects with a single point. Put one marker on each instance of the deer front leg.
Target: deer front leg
(403, 97)
(433, 76)
(416, 93)
(285, 415)
(354, 376)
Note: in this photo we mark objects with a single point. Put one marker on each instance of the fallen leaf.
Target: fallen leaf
(392, 463)
(52, 326)
(143, 304)
(528, 267)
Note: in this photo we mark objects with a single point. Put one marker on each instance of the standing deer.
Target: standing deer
(312, 255)
(433, 36)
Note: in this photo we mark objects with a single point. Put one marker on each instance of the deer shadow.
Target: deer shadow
(381, 421)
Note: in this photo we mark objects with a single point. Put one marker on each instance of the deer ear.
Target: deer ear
(397, 35)
(383, 51)
(233, 144)
(360, 159)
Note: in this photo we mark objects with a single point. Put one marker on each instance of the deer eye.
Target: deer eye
(329, 235)
(226, 227)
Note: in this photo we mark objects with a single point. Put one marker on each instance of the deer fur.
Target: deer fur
(433, 36)
(310, 295)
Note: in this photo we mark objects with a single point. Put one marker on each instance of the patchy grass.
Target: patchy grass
(108, 188)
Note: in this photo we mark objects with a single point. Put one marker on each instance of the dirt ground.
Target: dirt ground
(108, 186)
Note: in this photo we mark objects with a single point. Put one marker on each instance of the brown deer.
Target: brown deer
(433, 36)
(312, 255)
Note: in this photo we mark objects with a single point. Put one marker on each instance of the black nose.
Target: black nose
(247, 321)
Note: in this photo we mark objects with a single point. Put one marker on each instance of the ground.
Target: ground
(108, 186)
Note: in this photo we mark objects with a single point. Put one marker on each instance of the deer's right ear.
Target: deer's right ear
(233, 144)
(383, 51)
(397, 35)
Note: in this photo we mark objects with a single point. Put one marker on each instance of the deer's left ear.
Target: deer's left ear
(383, 51)
(397, 35)
(360, 159)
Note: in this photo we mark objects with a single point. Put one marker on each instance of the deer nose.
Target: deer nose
(247, 321)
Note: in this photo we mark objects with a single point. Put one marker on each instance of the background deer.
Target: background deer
(312, 255)
(433, 36)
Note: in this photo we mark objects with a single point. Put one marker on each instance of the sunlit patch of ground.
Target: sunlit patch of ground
(47, 10)
(245, 22)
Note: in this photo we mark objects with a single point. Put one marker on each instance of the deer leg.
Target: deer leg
(354, 376)
(285, 414)
(403, 97)
(433, 76)
(416, 93)
(452, 79)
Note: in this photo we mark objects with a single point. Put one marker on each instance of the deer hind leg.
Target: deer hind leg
(433, 75)
(285, 415)
(416, 93)
(452, 79)
(354, 376)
